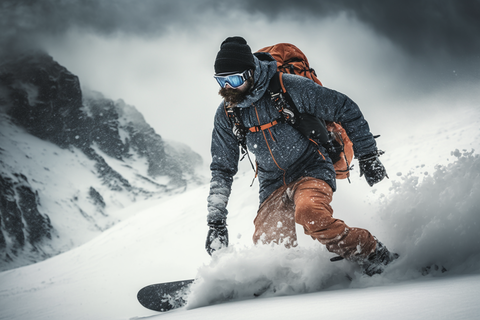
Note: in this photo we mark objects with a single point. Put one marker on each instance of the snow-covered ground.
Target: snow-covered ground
(430, 215)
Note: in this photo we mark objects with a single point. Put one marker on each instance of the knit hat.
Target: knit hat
(234, 56)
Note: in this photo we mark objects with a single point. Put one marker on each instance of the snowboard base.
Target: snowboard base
(164, 296)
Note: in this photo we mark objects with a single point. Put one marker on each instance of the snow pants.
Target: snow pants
(307, 202)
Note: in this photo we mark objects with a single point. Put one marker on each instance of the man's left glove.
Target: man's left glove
(217, 237)
(372, 168)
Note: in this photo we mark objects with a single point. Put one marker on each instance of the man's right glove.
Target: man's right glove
(217, 237)
(372, 168)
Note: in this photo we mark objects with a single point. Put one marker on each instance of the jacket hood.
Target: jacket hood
(265, 68)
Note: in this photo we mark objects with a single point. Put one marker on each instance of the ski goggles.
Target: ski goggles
(234, 80)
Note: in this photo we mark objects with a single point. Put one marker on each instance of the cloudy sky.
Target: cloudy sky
(399, 60)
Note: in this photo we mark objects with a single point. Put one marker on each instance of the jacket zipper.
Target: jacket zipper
(268, 145)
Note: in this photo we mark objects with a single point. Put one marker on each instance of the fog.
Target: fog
(401, 62)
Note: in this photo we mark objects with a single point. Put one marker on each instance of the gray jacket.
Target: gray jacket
(282, 153)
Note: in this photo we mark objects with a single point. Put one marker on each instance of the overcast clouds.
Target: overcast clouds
(158, 55)
(422, 28)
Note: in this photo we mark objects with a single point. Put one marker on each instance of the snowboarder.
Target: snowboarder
(297, 178)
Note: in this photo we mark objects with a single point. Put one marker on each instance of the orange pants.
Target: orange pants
(307, 202)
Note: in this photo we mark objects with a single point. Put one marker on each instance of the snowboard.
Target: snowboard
(168, 296)
(164, 296)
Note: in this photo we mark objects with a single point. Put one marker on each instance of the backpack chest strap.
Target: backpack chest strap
(263, 126)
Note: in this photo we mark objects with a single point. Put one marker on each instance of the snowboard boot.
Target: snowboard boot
(378, 260)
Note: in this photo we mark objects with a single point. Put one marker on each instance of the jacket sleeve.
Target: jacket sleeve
(225, 155)
(331, 105)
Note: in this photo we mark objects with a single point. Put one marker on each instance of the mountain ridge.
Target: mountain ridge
(102, 152)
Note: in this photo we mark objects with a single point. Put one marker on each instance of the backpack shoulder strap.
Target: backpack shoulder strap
(279, 95)
(240, 132)
(312, 127)
(239, 129)
(276, 83)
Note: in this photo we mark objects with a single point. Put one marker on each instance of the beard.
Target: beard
(235, 96)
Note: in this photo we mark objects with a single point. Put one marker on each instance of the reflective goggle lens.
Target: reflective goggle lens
(234, 80)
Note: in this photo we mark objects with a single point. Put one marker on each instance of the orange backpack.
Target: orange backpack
(292, 60)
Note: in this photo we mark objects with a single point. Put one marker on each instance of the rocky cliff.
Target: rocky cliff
(69, 160)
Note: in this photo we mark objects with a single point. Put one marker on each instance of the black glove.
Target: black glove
(217, 237)
(372, 168)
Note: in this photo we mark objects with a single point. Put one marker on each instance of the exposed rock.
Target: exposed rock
(45, 99)
(96, 197)
(21, 221)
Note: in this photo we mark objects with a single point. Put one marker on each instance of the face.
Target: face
(236, 95)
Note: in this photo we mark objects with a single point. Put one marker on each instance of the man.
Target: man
(297, 178)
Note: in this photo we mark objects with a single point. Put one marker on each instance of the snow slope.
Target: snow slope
(61, 179)
(429, 218)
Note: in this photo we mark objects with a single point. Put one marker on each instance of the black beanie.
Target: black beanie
(234, 56)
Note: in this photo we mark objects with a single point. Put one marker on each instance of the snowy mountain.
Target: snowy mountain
(72, 159)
